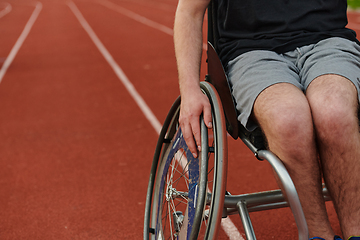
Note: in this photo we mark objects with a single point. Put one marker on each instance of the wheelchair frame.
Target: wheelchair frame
(207, 207)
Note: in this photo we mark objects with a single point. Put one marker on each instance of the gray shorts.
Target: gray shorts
(252, 72)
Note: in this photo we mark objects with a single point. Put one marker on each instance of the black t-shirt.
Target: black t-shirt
(278, 25)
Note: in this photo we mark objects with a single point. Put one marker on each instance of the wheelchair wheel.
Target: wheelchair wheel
(186, 194)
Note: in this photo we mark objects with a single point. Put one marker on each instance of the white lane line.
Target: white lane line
(20, 40)
(230, 229)
(140, 18)
(118, 71)
(155, 4)
(6, 10)
(136, 17)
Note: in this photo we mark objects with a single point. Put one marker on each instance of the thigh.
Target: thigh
(330, 73)
(253, 72)
(331, 57)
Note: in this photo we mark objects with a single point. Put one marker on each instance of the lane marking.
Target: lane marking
(118, 71)
(230, 229)
(6, 10)
(20, 40)
(139, 18)
(136, 17)
(155, 4)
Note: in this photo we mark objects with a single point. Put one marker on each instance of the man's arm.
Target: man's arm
(188, 48)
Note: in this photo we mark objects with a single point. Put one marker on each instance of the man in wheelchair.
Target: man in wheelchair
(293, 67)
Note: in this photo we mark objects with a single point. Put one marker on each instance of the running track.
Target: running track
(84, 87)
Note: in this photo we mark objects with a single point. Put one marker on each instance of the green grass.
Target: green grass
(354, 4)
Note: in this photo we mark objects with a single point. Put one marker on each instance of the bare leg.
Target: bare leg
(284, 115)
(334, 103)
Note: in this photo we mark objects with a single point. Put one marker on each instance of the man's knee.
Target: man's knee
(286, 122)
(335, 123)
(291, 137)
(292, 125)
(282, 108)
(334, 106)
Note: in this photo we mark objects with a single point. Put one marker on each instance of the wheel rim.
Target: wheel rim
(171, 218)
(178, 191)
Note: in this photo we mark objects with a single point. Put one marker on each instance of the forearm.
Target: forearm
(188, 42)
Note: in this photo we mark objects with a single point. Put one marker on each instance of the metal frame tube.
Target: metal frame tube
(245, 219)
(289, 188)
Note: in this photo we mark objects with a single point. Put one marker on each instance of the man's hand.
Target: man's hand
(193, 104)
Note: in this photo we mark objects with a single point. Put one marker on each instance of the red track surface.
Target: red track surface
(76, 149)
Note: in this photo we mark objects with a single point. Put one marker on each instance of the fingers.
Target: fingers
(190, 123)
(207, 116)
(191, 133)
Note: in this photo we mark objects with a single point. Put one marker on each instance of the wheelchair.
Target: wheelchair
(186, 196)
